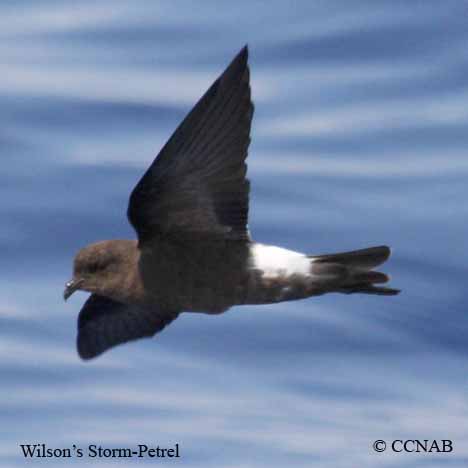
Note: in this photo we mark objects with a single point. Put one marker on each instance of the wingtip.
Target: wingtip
(84, 351)
(237, 68)
(243, 55)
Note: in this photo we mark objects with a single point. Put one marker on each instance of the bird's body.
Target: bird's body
(207, 277)
(194, 252)
(212, 276)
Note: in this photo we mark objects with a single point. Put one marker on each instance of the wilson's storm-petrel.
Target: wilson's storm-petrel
(194, 252)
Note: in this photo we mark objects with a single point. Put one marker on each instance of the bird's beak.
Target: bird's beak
(71, 287)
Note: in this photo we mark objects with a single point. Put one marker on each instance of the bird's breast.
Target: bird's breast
(202, 276)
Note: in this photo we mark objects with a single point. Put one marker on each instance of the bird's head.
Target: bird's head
(98, 267)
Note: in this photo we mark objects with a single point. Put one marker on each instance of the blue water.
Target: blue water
(359, 139)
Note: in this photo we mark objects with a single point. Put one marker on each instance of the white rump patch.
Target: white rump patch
(275, 261)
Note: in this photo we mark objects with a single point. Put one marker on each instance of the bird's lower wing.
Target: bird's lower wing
(104, 323)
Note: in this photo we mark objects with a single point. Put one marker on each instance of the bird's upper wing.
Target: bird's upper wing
(104, 323)
(196, 187)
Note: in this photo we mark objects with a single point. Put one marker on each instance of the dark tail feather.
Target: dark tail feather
(358, 264)
(371, 289)
(365, 259)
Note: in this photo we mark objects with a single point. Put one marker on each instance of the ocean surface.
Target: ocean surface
(359, 139)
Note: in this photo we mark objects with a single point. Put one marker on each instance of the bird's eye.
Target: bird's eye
(93, 267)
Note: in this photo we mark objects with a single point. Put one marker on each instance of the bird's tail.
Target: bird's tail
(355, 270)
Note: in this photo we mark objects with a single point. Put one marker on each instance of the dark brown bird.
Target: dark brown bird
(194, 252)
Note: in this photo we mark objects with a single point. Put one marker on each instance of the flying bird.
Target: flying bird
(194, 252)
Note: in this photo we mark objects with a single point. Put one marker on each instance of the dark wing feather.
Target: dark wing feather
(104, 323)
(196, 187)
